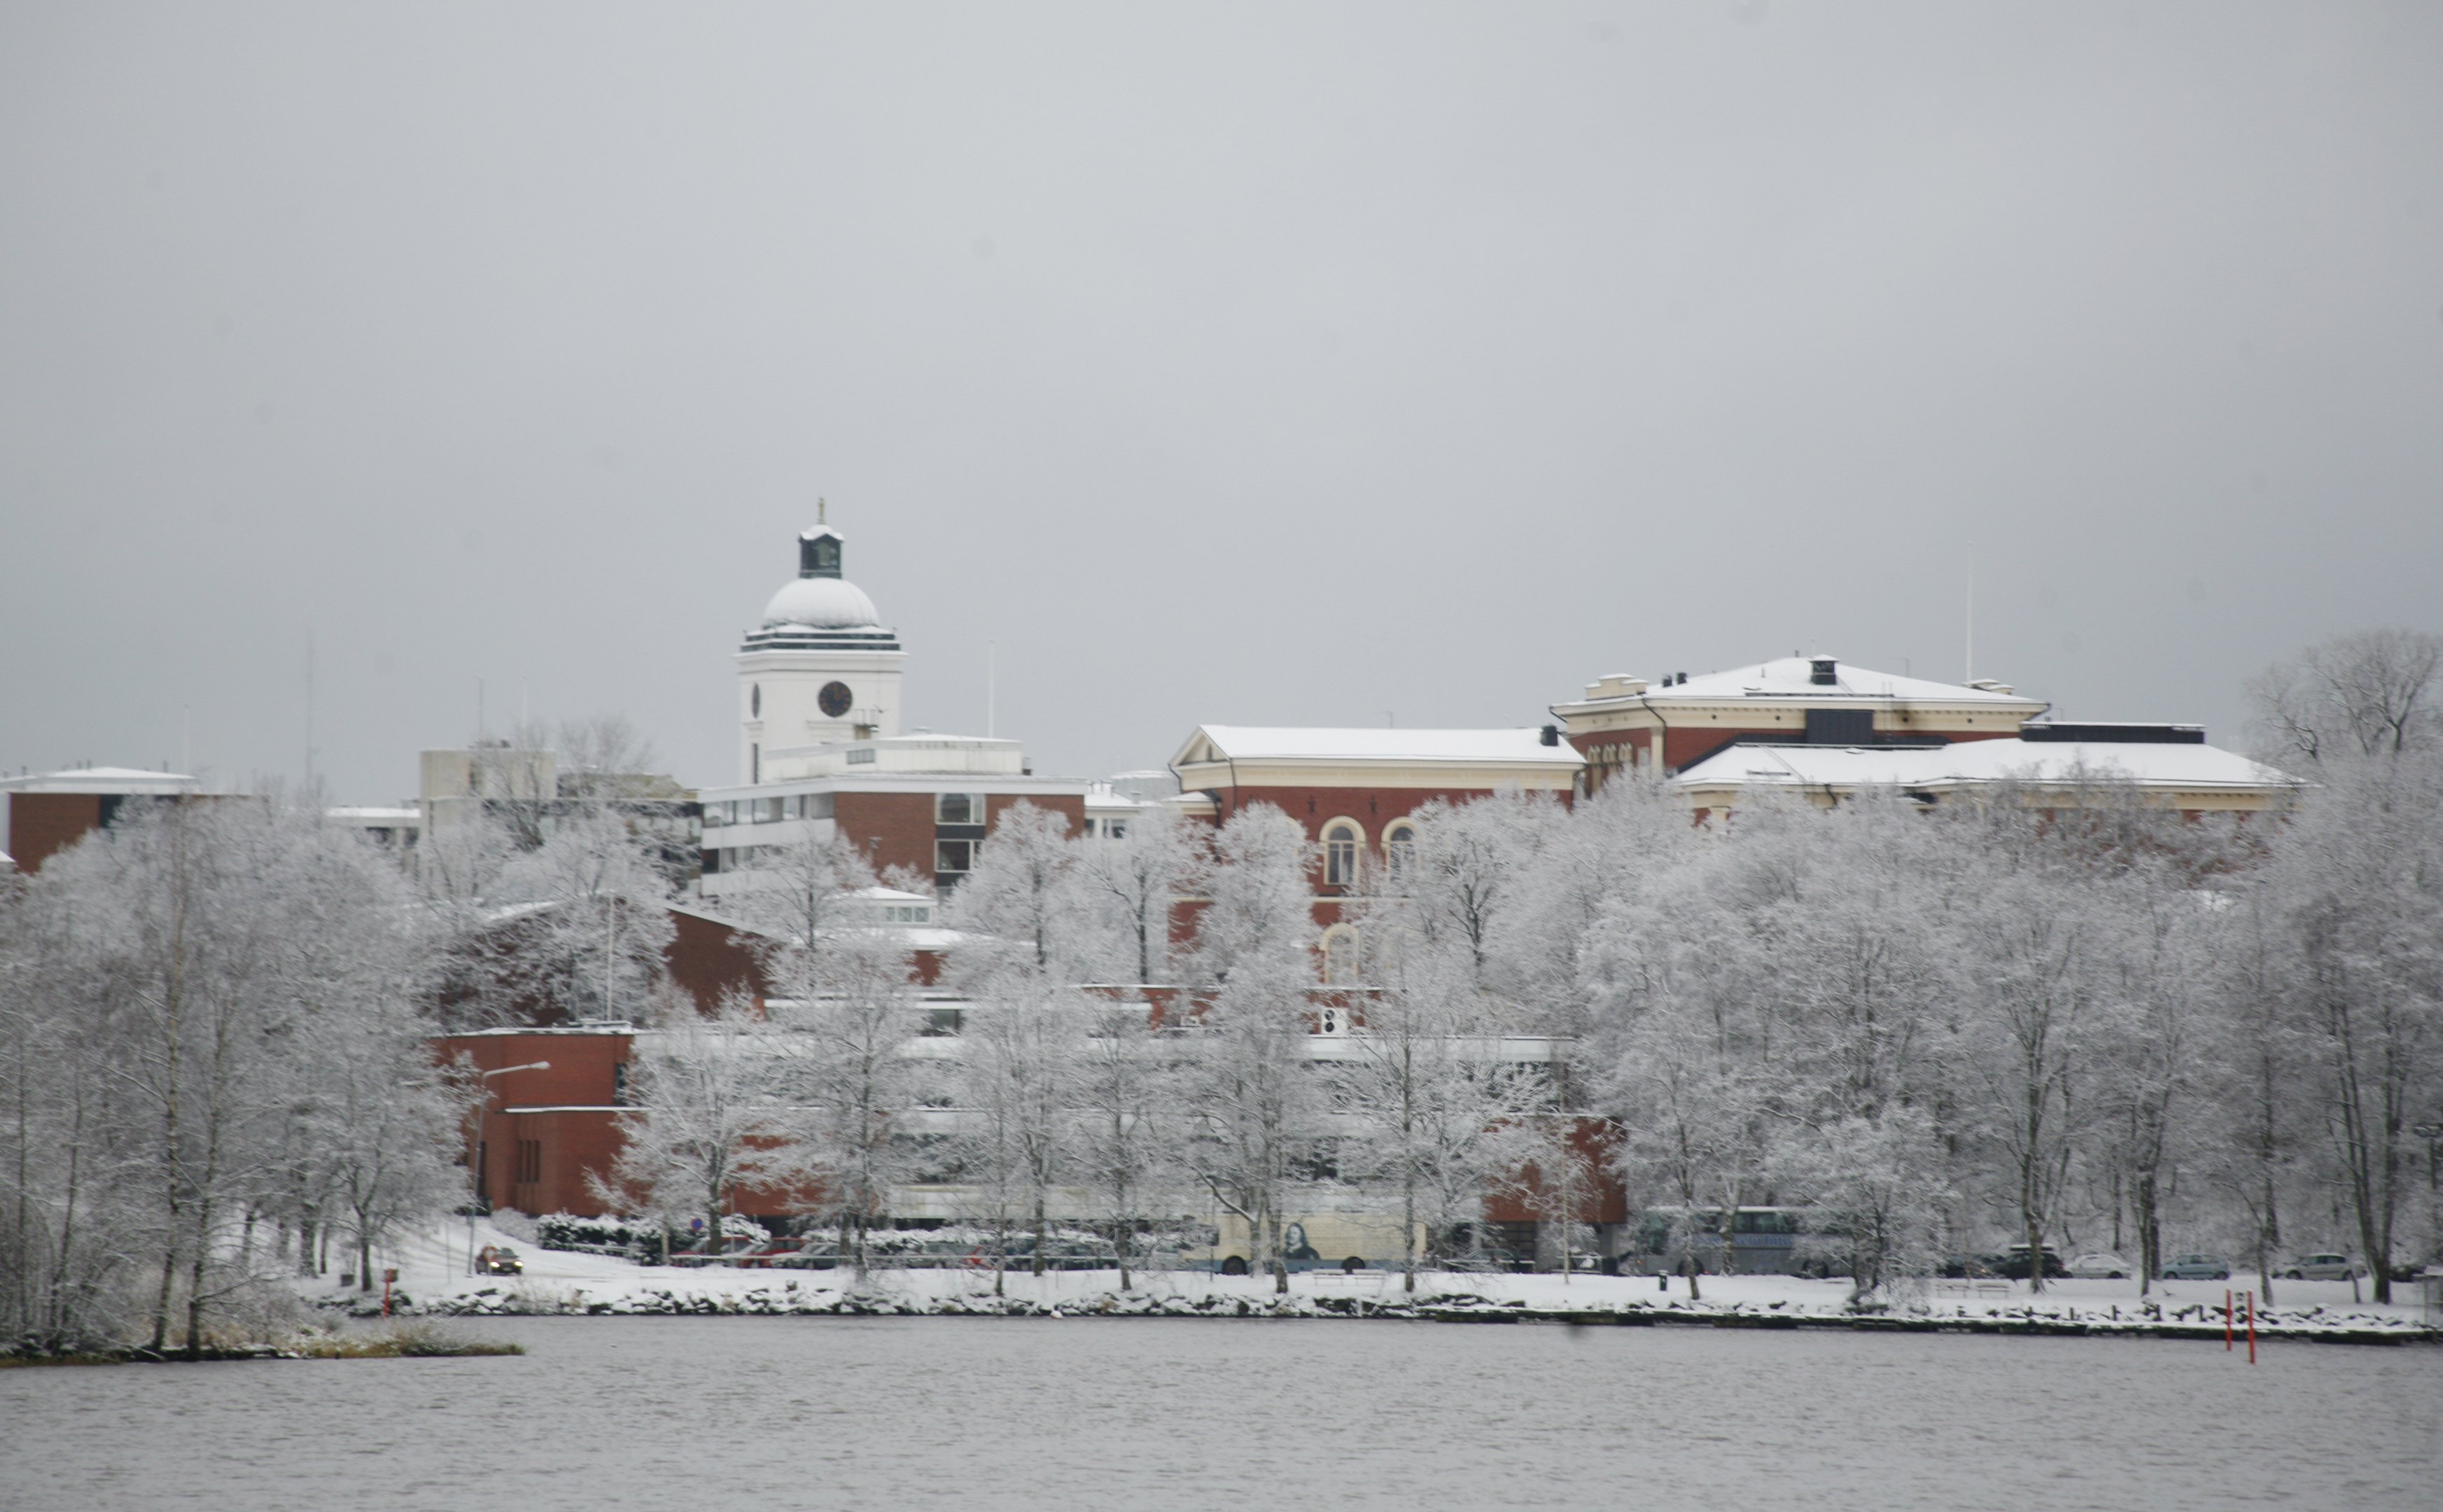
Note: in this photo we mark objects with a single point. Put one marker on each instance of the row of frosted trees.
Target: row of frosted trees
(2067, 1019)
(2082, 1023)
(1109, 1061)
(216, 1066)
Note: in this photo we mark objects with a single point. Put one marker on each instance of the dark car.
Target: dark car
(499, 1260)
(2011, 1263)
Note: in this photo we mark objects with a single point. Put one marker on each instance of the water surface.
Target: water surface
(737, 1412)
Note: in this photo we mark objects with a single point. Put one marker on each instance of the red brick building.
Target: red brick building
(45, 813)
(1354, 790)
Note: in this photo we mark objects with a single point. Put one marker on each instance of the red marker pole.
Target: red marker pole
(2251, 1328)
(2226, 1319)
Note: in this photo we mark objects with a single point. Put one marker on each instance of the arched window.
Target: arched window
(1341, 966)
(1340, 842)
(1400, 852)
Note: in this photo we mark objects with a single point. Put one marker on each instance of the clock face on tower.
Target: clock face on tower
(834, 699)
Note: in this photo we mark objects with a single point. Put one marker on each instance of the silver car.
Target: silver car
(2102, 1267)
(2196, 1267)
(2324, 1267)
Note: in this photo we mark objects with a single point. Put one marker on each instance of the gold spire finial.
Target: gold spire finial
(822, 511)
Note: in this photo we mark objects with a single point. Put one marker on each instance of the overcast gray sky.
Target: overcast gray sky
(1297, 364)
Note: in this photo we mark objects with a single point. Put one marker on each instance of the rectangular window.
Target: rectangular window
(954, 856)
(712, 861)
(815, 806)
(767, 811)
(1840, 726)
(529, 1161)
(618, 1084)
(862, 756)
(1116, 829)
(958, 808)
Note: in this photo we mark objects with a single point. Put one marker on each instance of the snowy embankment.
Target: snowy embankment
(433, 1281)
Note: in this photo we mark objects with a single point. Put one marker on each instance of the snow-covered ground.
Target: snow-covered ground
(434, 1278)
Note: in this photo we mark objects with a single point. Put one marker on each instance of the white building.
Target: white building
(820, 670)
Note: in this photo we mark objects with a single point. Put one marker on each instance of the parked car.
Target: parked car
(2012, 1262)
(1964, 1266)
(499, 1260)
(2102, 1267)
(2196, 1267)
(2322, 1267)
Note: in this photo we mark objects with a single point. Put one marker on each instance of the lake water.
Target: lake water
(740, 1412)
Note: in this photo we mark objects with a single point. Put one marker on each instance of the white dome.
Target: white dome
(824, 603)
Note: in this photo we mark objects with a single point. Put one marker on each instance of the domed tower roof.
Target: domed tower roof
(819, 609)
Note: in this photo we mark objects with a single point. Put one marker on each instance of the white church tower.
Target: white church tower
(821, 669)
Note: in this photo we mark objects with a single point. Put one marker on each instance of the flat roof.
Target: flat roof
(2186, 767)
(1371, 744)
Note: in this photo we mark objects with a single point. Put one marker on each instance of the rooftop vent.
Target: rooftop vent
(1825, 672)
(1551, 734)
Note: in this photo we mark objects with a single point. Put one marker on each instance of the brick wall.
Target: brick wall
(891, 829)
(709, 959)
(42, 824)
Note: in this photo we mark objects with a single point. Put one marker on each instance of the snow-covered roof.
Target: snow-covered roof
(888, 894)
(128, 779)
(362, 814)
(2187, 768)
(1369, 743)
(1794, 678)
(824, 603)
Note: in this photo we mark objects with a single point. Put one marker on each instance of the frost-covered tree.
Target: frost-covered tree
(2360, 877)
(1438, 1118)
(714, 1111)
(803, 895)
(1023, 891)
(244, 982)
(2364, 694)
(1128, 1128)
(583, 930)
(1022, 1056)
(1252, 1108)
(858, 1079)
(1130, 884)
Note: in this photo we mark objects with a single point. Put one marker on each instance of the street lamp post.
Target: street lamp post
(485, 1079)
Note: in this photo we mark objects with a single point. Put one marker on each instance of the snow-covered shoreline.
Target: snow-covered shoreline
(561, 1283)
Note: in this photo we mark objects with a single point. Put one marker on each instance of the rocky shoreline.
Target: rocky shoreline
(2195, 1321)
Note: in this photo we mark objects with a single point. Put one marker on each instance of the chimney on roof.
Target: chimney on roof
(1825, 672)
(1551, 734)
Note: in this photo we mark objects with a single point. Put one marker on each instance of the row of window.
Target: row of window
(1344, 840)
(768, 810)
(948, 808)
